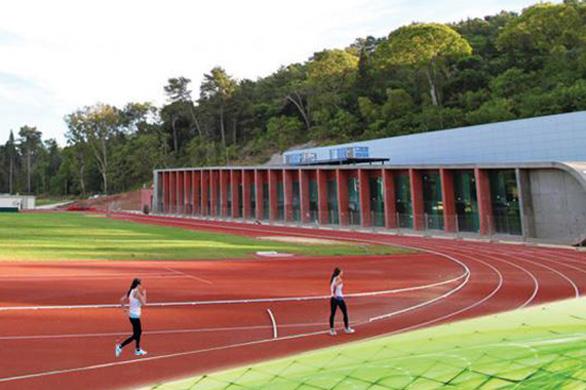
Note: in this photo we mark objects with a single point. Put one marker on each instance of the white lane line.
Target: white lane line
(274, 323)
(472, 253)
(240, 301)
(152, 358)
(84, 276)
(177, 354)
(190, 276)
(262, 341)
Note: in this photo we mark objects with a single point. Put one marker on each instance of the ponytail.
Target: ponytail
(133, 285)
(336, 273)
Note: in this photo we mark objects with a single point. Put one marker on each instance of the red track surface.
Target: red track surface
(72, 347)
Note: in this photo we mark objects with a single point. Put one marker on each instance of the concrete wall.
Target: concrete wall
(21, 202)
(558, 205)
(549, 138)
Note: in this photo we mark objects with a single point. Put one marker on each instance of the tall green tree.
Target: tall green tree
(217, 88)
(96, 126)
(427, 48)
(30, 145)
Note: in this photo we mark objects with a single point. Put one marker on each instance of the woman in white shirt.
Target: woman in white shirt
(337, 300)
(136, 297)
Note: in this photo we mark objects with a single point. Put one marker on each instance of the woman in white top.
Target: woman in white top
(136, 297)
(337, 299)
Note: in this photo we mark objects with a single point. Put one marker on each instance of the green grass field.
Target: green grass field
(543, 347)
(78, 236)
(48, 201)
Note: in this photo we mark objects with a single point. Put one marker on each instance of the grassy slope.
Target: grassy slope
(63, 236)
(538, 348)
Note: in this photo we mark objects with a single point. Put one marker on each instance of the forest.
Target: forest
(418, 78)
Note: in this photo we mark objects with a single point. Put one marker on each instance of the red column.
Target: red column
(416, 184)
(304, 195)
(166, 194)
(322, 196)
(389, 199)
(196, 196)
(273, 207)
(343, 207)
(448, 199)
(364, 194)
(484, 201)
(235, 184)
(187, 198)
(246, 181)
(258, 184)
(224, 181)
(179, 193)
(213, 193)
(288, 193)
(172, 190)
(205, 185)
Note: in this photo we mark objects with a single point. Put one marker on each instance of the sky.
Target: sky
(60, 55)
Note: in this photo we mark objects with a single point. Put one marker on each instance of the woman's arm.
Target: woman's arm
(141, 295)
(123, 300)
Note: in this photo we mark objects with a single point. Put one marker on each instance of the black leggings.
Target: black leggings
(334, 303)
(136, 332)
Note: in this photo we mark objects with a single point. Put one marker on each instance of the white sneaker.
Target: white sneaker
(349, 330)
(117, 350)
(140, 352)
(332, 332)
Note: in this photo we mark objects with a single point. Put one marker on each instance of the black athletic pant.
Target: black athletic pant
(334, 303)
(136, 332)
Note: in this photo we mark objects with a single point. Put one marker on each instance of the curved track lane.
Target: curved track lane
(72, 347)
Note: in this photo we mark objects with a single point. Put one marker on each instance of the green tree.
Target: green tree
(218, 87)
(427, 48)
(96, 127)
(30, 145)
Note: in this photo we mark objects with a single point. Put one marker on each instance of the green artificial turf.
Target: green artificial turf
(543, 347)
(79, 236)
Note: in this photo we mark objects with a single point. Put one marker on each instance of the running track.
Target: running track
(58, 324)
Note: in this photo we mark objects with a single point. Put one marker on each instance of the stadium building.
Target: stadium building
(523, 179)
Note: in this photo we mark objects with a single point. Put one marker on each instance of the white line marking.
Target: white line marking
(190, 276)
(159, 357)
(241, 301)
(275, 334)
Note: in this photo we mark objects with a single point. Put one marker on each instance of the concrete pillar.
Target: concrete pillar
(235, 181)
(484, 201)
(273, 177)
(525, 203)
(416, 184)
(288, 193)
(364, 194)
(322, 196)
(449, 200)
(304, 195)
(343, 202)
(389, 198)
(247, 178)
(258, 184)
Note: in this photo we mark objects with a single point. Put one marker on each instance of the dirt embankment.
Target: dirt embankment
(124, 201)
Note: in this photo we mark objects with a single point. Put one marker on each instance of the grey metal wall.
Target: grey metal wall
(550, 138)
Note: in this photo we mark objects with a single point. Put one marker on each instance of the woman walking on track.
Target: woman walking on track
(337, 300)
(136, 297)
